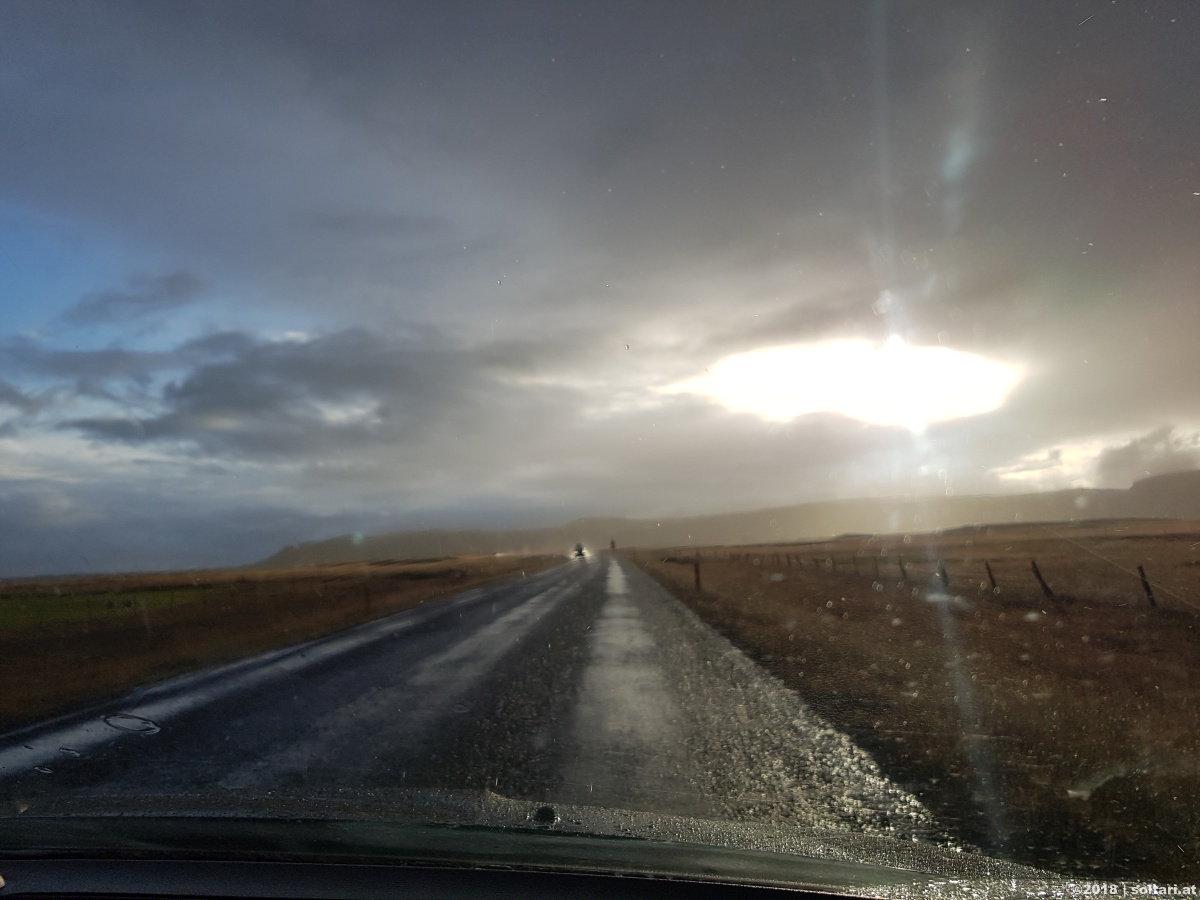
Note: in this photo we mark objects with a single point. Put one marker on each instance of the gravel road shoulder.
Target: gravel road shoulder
(757, 752)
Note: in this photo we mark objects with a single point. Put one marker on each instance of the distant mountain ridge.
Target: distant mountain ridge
(1171, 496)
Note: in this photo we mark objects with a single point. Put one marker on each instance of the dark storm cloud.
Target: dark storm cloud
(91, 372)
(296, 398)
(97, 372)
(648, 143)
(144, 295)
(11, 396)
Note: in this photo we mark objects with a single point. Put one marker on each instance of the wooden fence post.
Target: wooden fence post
(903, 573)
(1146, 586)
(696, 572)
(1037, 573)
(991, 577)
(945, 579)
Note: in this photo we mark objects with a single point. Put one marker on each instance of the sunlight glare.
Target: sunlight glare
(890, 384)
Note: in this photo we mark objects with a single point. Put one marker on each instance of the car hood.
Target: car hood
(483, 829)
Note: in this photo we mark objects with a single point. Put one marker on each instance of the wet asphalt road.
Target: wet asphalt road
(587, 685)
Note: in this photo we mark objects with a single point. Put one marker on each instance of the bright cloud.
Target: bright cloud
(1104, 461)
(1067, 464)
(889, 384)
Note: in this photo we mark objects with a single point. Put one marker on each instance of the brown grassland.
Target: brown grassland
(68, 641)
(1060, 732)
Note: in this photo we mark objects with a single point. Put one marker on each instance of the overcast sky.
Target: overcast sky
(276, 271)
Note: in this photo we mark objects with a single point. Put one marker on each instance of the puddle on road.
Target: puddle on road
(131, 723)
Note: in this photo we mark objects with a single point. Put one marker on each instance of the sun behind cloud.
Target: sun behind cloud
(889, 384)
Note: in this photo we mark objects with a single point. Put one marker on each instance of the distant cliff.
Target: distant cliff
(1174, 496)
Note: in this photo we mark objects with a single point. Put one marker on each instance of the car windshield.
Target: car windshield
(759, 426)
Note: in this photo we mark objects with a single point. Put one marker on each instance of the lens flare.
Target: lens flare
(889, 384)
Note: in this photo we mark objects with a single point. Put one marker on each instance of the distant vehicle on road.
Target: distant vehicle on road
(579, 554)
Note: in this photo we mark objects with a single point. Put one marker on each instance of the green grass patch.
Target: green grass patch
(44, 609)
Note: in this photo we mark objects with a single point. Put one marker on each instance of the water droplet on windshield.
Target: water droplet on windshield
(68, 751)
(44, 770)
(131, 723)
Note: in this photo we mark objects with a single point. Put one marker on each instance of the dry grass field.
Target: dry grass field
(1057, 726)
(68, 641)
